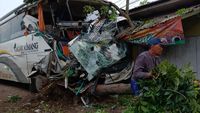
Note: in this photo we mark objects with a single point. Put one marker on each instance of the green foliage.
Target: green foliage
(14, 98)
(113, 14)
(100, 106)
(126, 100)
(130, 109)
(172, 90)
(143, 2)
(88, 9)
(104, 11)
(150, 21)
(129, 102)
(47, 108)
(182, 11)
(100, 111)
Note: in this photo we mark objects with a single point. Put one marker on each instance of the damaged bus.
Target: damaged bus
(55, 39)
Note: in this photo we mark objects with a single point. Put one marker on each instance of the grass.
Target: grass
(14, 98)
(127, 101)
(46, 108)
(100, 111)
(15, 110)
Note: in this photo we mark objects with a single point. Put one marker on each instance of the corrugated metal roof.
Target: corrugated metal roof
(160, 7)
(161, 19)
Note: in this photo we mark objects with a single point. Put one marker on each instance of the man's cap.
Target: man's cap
(153, 41)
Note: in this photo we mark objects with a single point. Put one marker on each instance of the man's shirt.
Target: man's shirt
(144, 63)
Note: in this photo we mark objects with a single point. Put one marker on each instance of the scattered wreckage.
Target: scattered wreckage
(77, 44)
(56, 41)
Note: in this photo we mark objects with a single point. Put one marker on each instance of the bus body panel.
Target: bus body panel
(6, 73)
(22, 53)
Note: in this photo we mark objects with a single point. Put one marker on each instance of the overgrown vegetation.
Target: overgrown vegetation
(100, 111)
(14, 98)
(47, 108)
(143, 2)
(172, 90)
(88, 9)
(182, 11)
(105, 11)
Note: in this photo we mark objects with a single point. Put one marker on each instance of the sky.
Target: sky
(8, 5)
(133, 3)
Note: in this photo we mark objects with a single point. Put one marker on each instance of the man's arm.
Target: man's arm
(139, 71)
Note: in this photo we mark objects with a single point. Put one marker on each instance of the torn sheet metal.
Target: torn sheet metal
(42, 65)
(30, 22)
(92, 16)
(100, 31)
(119, 76)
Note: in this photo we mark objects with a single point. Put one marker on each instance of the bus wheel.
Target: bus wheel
(37, 83)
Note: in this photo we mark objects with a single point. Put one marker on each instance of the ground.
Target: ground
(16, 98)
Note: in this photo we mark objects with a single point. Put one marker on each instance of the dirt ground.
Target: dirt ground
(7, 90)
(25, 102)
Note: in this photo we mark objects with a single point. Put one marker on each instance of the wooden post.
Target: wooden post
(127, 6)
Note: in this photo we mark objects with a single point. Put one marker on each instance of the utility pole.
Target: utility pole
(127, 6)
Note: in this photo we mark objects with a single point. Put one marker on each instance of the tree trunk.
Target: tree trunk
(112, 89)
(120, 11)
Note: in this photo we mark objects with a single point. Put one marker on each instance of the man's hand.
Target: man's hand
(149, 75)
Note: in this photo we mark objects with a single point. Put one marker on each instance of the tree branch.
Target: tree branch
(120, 11)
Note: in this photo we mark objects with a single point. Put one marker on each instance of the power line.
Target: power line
(117, 1)
(131, 3)
(121, 1)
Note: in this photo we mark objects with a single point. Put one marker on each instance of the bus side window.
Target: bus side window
(5, 31)
(0, 36)
(17, 26)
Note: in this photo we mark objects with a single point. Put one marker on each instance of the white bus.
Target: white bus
(30, 56)
(19, 52)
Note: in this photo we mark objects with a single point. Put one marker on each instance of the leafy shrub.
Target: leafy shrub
(88, 9)
(172, 90)
(105, 11)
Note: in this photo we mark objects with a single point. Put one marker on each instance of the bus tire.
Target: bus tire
(37, 83)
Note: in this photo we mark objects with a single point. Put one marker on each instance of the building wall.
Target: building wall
(180, 55)
(189, 53)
